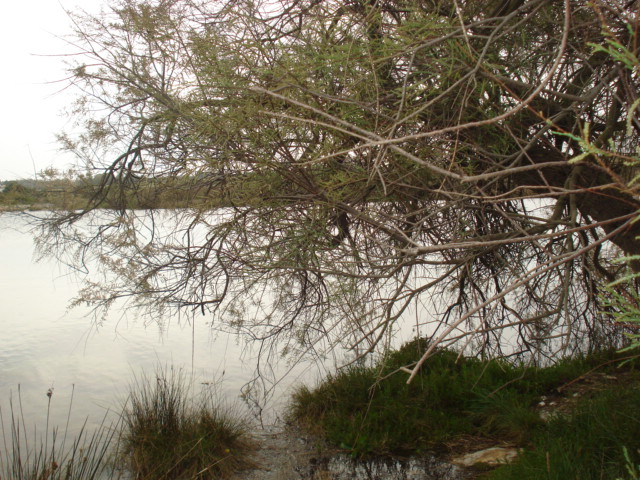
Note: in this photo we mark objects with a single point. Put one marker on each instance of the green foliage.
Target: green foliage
(168, 435)
(387, 150)
(621, 296)
(633, 470)
(623, 299)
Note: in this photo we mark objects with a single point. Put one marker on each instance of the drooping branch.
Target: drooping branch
(339, 164)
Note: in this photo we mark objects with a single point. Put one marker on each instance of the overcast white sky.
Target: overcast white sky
(31, 97)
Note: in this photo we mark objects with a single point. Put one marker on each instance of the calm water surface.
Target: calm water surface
(43, 345)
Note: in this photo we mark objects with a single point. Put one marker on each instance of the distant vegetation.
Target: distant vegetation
(46, 193)
(66, 192)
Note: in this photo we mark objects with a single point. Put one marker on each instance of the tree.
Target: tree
(468, 160)
(15, 193)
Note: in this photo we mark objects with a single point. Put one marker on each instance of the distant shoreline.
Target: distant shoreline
(28, 206)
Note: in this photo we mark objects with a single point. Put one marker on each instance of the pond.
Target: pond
(45, 347)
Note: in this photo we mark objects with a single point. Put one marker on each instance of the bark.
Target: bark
(596, 200)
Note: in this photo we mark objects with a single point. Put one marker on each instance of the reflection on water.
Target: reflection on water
(43, 346)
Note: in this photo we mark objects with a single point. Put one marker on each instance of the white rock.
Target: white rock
(489, 456)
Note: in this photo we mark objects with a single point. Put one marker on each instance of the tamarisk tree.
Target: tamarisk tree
(346, 168)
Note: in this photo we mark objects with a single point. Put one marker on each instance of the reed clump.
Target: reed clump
(168, 434)
(163, 432)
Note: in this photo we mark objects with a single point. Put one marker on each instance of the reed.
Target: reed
(163, 432)
(54, 455)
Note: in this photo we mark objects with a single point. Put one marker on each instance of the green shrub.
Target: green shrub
(357, 411)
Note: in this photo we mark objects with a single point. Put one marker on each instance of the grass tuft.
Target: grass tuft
(168, 435)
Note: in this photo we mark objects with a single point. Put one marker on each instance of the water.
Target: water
(46, 347)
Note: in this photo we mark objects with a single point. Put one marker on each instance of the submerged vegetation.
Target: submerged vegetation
(459, 403)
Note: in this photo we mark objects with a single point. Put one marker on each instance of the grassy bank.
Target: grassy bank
(167, 430)
(587, 444)
(457, 405)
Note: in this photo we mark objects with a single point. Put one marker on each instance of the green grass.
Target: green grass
(450, 399)
(167, 434)
(589, 444)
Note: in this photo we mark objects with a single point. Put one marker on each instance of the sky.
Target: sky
(32, 84)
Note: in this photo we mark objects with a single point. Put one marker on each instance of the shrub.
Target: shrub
(371, 410)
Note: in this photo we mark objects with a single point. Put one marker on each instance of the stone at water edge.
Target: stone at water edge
(489, 456)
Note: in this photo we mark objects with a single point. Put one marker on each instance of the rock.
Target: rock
(343, 467)
(285, 453)
(489, 456)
